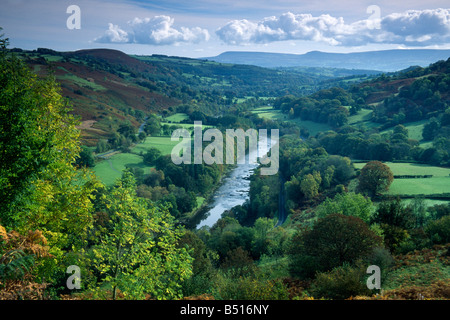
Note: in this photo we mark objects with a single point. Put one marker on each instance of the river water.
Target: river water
(234, 190)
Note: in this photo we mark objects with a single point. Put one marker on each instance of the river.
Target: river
(234, 190)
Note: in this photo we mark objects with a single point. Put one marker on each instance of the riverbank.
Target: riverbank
(191, 220)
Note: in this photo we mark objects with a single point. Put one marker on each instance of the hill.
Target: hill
(386, 60)
(401, 117)
(108, 87)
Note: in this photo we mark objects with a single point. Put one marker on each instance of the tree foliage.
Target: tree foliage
(375, 177)
(137, 252)
(331, 241)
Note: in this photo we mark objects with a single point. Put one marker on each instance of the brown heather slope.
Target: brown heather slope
(100, 88)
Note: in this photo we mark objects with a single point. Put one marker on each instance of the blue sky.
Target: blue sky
(202, 28)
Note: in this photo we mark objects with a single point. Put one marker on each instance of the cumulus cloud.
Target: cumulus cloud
(414, 27)
(158, 30)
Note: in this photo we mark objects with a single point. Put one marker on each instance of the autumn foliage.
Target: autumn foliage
(17, 260)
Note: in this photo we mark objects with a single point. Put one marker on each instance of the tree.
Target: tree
(375, 177)
(395, 220)
(40, 189)
(349, 204)
(430, 130)
(310, 185)
(102, 146)
(331, 241)
(151, 156)
(138, 252)
(85, 158)
(153, 125)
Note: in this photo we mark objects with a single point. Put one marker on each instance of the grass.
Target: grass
(419, 268)
(163, 144)
(420, 186)
(438, 184)
(414, 129)
(200, 201)
(177, 117)
(363, 116)
(268, 112)
(108, 171)
(402, 168)
(82, 82)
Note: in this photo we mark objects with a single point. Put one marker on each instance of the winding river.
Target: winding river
(233, 191)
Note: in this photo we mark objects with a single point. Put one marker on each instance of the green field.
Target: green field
(80, 81)
(414, 129)
(163, 144)
(402, 168)
(420, 186)
(438, 184)
(177, 117)
(108, 171)
(111, 169)
(364, 115)
(268, 112)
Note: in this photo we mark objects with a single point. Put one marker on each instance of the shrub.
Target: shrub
(439, 230)
(340, 283)
(332, 241)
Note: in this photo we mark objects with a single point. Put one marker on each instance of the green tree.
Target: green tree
(261, 240)
(85, 158)
(153, 125)
(430, 130)
(375, 177)
(138, 253)
(331, 241)
(310, 185)
(40, 189)
(151, 156)
(395, 219)
(349, 204)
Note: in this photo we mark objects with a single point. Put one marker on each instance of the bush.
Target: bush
(333, 240)
(251, 287)
(340, 283)
(439, 230)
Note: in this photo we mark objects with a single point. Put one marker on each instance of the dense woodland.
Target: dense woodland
(136, 239)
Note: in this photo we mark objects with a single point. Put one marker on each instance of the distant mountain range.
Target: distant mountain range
(386, 60)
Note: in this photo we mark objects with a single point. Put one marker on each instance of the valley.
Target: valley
(364, 165)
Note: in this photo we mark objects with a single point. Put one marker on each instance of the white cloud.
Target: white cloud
(114, 35)
(158, 30)
(414, 27)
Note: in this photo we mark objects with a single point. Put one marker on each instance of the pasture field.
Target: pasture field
(420, 186)
(363, 116)
(111, 169)
(403, 168)
(108, 171)
(414, 129)
(163, 144)
(177, 117)
(268, 112)
(438, 184)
